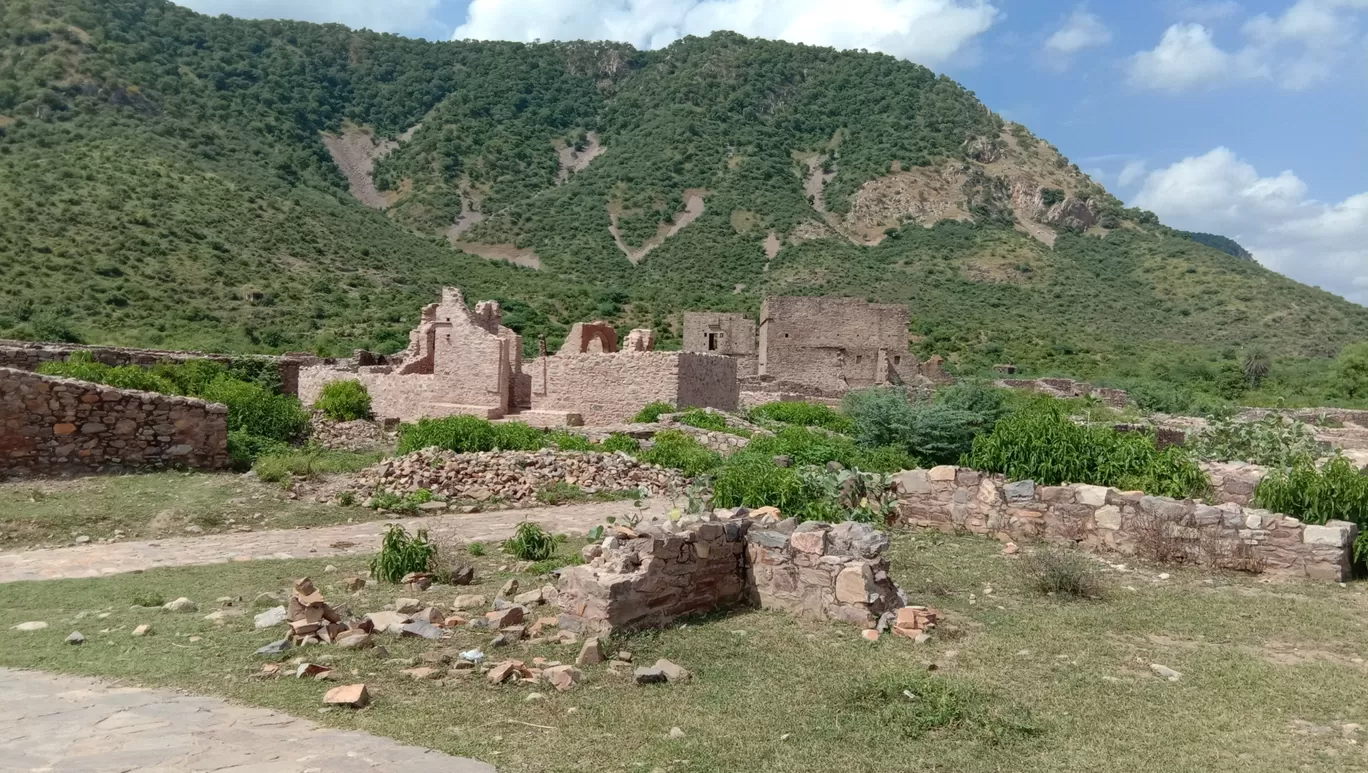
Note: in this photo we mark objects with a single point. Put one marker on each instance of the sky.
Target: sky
(1247, 118)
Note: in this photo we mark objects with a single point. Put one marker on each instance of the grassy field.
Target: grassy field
(1271, 674)
(150, 506)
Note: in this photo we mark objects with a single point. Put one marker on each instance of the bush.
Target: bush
(807, 446)
(255, 410)
(753, 479)
(530, 542)
(1042, 444)
(570, 441)
(803, 415)
(279, 464)
(517, 436)
(344, 401)
(1060, 572)
(244, 448)
(885, 459)
(1273, 442)
(938, 432)
(400, 554)
(651, 412)
(462, 434)
(620, 442)
(81, 366)
(1336, 491)
(682, 452)
(697, 417)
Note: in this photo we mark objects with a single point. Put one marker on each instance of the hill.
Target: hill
(177, 180)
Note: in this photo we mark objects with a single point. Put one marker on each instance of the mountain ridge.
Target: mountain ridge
(174, 189)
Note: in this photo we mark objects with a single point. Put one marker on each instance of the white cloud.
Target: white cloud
(387, 16)
(925, 31)
(1311, 241)
(1304, 45)
(1081, 30)
(1131, 172)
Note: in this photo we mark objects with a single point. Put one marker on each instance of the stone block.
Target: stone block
(809, 542)
(1093, 496)
(1334, 534)
(1020, 491)
(942, 474)
(855, 584)
(913, 482)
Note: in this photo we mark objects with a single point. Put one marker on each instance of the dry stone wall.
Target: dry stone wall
(1101, 519)
(50, 425)
(658, 573)
(612, 388)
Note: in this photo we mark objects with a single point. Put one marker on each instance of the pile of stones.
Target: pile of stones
(358, 435)
(514, 477)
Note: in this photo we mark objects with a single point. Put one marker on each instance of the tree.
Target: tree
(1351, 371)
(1256, 364)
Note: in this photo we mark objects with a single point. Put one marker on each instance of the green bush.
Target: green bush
(807, 446)
(244, 448)
(697, 417)
(1274, 442)
(517, 436)
(80, 365)
(570, 441)
(1336, 491)
(753, 479)
(401, 554)
(885, 459)
(620, 442)
(938, 432)
(530, 542)
(804, 415)
(1042, 444)
(682, 452)
(651, 412)
(344, 401)
(253, 409)
(470, 434)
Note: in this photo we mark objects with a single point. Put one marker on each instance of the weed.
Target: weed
(915, 705)
(651, 412)
(1059, 572)
(148, 600)
(682, 452)
(804, 415)
(400, 554)
(476, 549)
(560, 493)
(346, 499)
(530, 542)
(620, 442)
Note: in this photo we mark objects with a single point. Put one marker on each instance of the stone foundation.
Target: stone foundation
(661, 572)
(50, 424)
(1228, 536)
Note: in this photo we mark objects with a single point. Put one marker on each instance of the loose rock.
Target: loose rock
(351, 695)
(76, 637)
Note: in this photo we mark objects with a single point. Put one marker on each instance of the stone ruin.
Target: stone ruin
(461, 361)
(653, 574)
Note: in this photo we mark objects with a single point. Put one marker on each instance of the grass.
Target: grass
(1022, 683)
(152, 505)
(312, 462)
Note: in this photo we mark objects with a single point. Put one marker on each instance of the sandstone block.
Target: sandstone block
(1334, 534)
(855, 584)
(351, 695)
(1093, 496)
(942, 474)
(1108, 517)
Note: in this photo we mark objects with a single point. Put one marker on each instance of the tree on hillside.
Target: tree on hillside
(1351, 371)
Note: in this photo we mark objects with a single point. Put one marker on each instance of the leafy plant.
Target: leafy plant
(619, 442)
(680, 451)
(570, 441)
(1336, 491)
(939, 432)
(346, 400)
(1274, 441)
(469, 434)
(530, 542)
(476, 549)
(651, 412)
(803, 415)
(697, 417)
(401, 554)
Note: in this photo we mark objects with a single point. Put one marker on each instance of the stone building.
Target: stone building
(466, 362)
(813, 346)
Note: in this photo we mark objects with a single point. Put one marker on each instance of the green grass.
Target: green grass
(1021, 682)
(312, 462)
(152, 505)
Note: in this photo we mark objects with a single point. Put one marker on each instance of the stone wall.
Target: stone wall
(612, 388)
(1226, 536)
(28, 355)
(1234, 481)
(61, 425)
(658, 573)
(833, 344)
(1066, 388)
(731, 335)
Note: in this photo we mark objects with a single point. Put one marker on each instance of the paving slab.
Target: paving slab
(65, 724)
(99, 560)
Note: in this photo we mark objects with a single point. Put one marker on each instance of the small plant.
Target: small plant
(148, 600)
(560, 493)
(476, 549)
(697, 417)
(682, 452)
(386, 500)
(1275, 442)
(344, 401)
(804, 415)
(400, 554)
(1060, 572)
(530, 542)
(346, 499)
(650, 414)
(915, 705)
(620, 442)
(420, 496)
(570, 441)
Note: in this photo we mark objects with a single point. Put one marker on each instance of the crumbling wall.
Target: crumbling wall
(28, 355)
(1067, 388)
(1129, 522)
(833, 344)
(728, 334)
(612, 388)
(656, 574)
(50, 424)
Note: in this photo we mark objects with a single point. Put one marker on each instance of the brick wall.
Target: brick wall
(1227, 536)
(52, 424)
(659, 573)
(612, 388)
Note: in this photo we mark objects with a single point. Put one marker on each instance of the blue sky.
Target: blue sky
(1247, 118)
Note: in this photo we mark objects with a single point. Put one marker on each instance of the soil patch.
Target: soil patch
(693, 207)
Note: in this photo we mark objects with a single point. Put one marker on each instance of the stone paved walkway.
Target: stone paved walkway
(62, 724)
(351, 539)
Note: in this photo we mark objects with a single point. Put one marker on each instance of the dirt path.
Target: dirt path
(54, 723)
(351, 539)
(693, 208)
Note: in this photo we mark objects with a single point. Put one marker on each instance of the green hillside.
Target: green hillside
(167, 183)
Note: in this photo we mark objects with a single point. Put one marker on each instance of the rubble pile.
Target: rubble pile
(359, 435)
(513, 477)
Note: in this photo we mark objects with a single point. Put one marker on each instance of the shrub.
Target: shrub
(476, 549)
(244, 448)
(753, 479)
(80, 365)
(804, 415)
(1060, 572)
(938, 432)
(345, 401)
(1336, 491)
(651, 412)
(400, 554)
(570, 441)
(1274, 442)
(1041, 443)
(682, 452)
(517, 436)
(697, 417)
(530, 542)
(885, 459)
(988, 402)
(807, 446)
(462, 434)
(620, 442)
(253, 409)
